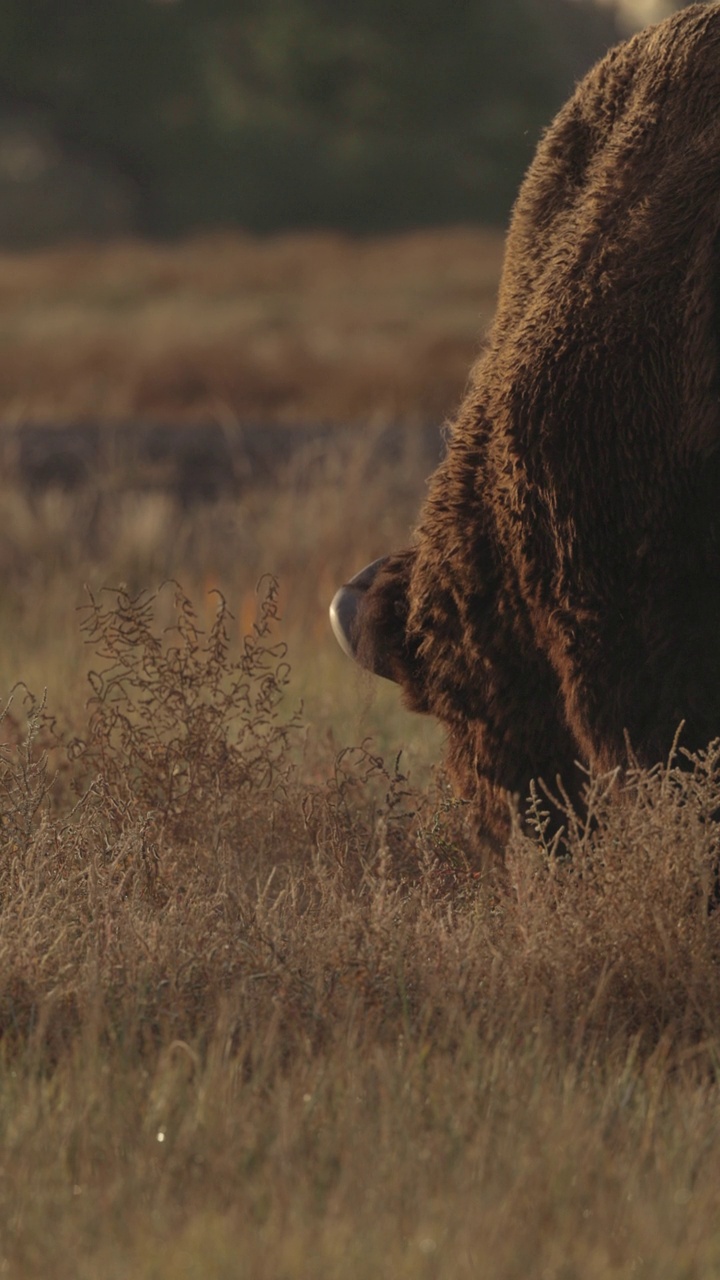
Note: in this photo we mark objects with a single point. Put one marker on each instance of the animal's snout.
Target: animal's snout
(346, 608)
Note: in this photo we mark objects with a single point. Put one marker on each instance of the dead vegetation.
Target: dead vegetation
(292, 328)
(260, 1000)
(264, 1010)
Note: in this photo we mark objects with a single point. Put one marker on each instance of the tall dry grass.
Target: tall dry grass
(263, 1015)
(264, 1009)
(326, 516)
(289, 328)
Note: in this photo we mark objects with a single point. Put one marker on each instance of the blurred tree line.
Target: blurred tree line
(360, 114)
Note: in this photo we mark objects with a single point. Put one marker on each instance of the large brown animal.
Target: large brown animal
(562, 594)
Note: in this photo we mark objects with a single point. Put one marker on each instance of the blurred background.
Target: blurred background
(161, 117)
(248, 251)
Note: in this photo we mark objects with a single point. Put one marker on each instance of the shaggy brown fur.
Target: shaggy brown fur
(563, 589)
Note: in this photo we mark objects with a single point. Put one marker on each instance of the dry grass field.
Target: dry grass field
(292, 328)
(265, 1011)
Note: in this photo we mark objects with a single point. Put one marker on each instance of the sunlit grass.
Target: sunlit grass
(297, 1026)
(266, 1010)
(291, 328)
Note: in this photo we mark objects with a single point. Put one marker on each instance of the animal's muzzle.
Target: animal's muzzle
(346, 612)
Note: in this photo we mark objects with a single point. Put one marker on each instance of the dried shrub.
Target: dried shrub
(25, 780)
(178, 725)
(621, 929)
(200, 869)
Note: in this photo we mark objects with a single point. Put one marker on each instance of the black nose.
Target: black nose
(346, 607)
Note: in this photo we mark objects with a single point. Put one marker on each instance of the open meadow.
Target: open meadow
(265, 1009)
